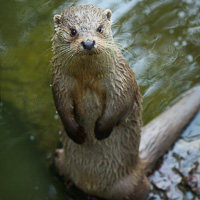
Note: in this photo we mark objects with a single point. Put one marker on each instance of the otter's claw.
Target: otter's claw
(77, 134)
(103, 130)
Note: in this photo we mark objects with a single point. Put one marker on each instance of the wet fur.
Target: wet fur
(99, 103)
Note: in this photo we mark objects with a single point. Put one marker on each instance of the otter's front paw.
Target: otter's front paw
(77, 134)
(103, 129)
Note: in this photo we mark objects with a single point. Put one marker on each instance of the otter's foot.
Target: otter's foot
(61, 168)
(60, 162)
(59, 152)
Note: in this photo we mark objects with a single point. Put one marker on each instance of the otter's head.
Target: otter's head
(83, 30)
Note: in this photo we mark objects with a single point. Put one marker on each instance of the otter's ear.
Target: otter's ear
(108, 13)
(57, 20)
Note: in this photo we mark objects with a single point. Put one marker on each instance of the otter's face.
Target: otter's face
(84, 30)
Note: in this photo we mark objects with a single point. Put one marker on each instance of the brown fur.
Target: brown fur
(98, 100)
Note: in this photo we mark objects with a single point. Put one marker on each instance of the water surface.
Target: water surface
(160, 40)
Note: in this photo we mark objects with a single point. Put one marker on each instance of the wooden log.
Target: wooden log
(159, 134)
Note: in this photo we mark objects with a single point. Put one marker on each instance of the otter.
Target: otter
(99, 103)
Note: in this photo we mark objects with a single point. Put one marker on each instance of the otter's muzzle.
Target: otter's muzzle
(88, 44)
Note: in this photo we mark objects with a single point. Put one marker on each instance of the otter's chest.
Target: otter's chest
(88, 107)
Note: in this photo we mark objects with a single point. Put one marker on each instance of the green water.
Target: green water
(160, 40)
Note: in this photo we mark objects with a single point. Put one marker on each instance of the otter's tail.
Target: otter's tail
(159, 134)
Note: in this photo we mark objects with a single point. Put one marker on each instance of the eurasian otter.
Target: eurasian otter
(99, 103)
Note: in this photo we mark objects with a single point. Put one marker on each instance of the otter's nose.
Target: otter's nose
(88, 44)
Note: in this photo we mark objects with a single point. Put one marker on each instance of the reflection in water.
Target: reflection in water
(160, 40)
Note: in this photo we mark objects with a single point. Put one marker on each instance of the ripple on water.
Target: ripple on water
(189, 58)
(155, 30)
(181, 14)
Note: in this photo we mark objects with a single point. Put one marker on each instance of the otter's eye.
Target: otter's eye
(73, 32)
(100, 29)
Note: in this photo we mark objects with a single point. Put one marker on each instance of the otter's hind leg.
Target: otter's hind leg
(60, 162)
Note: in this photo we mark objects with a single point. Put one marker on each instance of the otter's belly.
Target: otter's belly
(96, 165)
(86, 162)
